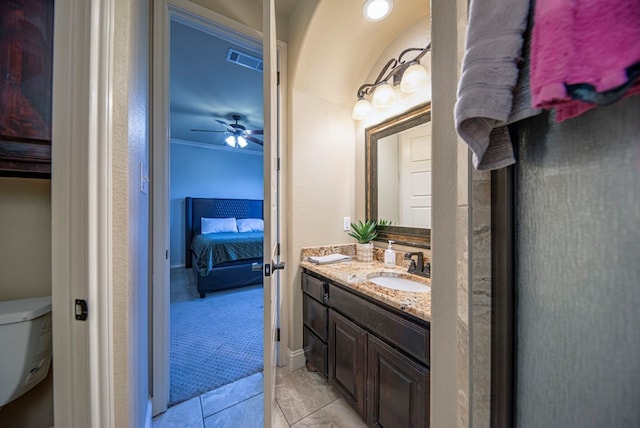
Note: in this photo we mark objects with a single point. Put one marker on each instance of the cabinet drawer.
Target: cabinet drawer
(315, 316)
(404, 334)
(315, 350)
(315, 288)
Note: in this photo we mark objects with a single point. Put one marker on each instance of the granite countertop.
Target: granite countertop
(353, 274)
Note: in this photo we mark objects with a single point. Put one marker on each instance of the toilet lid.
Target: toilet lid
(24, 309)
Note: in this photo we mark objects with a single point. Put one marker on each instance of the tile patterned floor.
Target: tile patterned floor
(303, 399)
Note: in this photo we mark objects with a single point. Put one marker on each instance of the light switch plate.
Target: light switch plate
(347, 224)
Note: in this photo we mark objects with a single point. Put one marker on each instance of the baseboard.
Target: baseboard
(295, 359)
(149, 416)
(180, 265)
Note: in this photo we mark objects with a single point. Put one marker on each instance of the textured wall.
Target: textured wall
(25, 243)
(321, 191)
(578, 240)
(130, 208)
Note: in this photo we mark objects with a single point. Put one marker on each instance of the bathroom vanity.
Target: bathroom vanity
(369, 341)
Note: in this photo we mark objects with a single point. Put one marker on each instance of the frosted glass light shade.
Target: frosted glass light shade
(413, 78)
(233, 140)
(383, 96)
(361, 109)
(377, 10)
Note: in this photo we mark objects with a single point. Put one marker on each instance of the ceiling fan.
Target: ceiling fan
(239, 133)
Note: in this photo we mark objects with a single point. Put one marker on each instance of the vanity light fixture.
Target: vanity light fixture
(377, 10)
(409, 74)
(236, 141)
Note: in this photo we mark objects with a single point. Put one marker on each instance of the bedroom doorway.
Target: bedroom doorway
(233, 173)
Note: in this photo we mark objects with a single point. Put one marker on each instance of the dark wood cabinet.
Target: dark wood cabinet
(397, 390)
(347, 360)
(376, 356)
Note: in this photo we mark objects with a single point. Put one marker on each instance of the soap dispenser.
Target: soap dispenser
(389, 256)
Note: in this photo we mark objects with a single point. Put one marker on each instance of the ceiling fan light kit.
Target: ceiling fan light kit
(240, 135)
(236, 141)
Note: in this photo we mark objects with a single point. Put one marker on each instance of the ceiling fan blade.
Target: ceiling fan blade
(255, 140)
(230, 128)
(206, 130)
(255, 131)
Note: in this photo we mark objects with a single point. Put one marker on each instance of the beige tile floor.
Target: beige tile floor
(303, 398)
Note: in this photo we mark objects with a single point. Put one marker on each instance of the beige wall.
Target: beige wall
(25, 243)
(247, 12)
(321, 183)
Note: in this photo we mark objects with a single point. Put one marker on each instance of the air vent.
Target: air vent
(244, 60)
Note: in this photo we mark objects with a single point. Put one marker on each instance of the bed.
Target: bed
(222, 259)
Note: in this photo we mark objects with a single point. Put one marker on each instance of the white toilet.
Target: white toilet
(25, 343)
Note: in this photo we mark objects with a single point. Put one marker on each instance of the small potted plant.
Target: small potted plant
(364, 232)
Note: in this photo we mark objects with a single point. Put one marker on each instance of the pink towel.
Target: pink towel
(582, 42)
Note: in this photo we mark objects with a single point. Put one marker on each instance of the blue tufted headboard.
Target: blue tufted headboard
(196, 208)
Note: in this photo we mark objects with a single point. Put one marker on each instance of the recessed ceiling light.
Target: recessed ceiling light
(377, 10)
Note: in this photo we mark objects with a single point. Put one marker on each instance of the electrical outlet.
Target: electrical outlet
(347, 224)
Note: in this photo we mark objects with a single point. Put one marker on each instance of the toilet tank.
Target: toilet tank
(25, 338)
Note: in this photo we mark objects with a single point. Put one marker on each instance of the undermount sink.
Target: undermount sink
(395, 281)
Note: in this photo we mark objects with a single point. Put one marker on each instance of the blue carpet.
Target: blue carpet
(215, 341)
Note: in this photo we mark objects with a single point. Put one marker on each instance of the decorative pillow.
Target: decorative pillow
(216, 225)
(250, 225)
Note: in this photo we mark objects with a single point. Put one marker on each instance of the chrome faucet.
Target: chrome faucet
(418, 266)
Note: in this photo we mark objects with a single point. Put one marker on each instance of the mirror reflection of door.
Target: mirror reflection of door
(415, 177)
(404, 177)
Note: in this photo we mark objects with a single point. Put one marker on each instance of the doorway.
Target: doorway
(239, 169)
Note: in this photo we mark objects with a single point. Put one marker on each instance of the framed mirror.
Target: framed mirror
(398, 177)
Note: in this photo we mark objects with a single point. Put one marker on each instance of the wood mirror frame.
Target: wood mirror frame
(413, 236)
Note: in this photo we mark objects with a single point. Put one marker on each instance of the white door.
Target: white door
(272, 264)
(415, 177)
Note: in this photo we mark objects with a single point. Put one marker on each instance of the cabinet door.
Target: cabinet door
(347, 359)
(398, 388)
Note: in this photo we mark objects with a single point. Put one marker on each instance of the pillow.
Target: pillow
(250, 225)
(215, 225)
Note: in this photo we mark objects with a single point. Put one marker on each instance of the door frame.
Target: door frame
(81, 212)
(221, 26)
